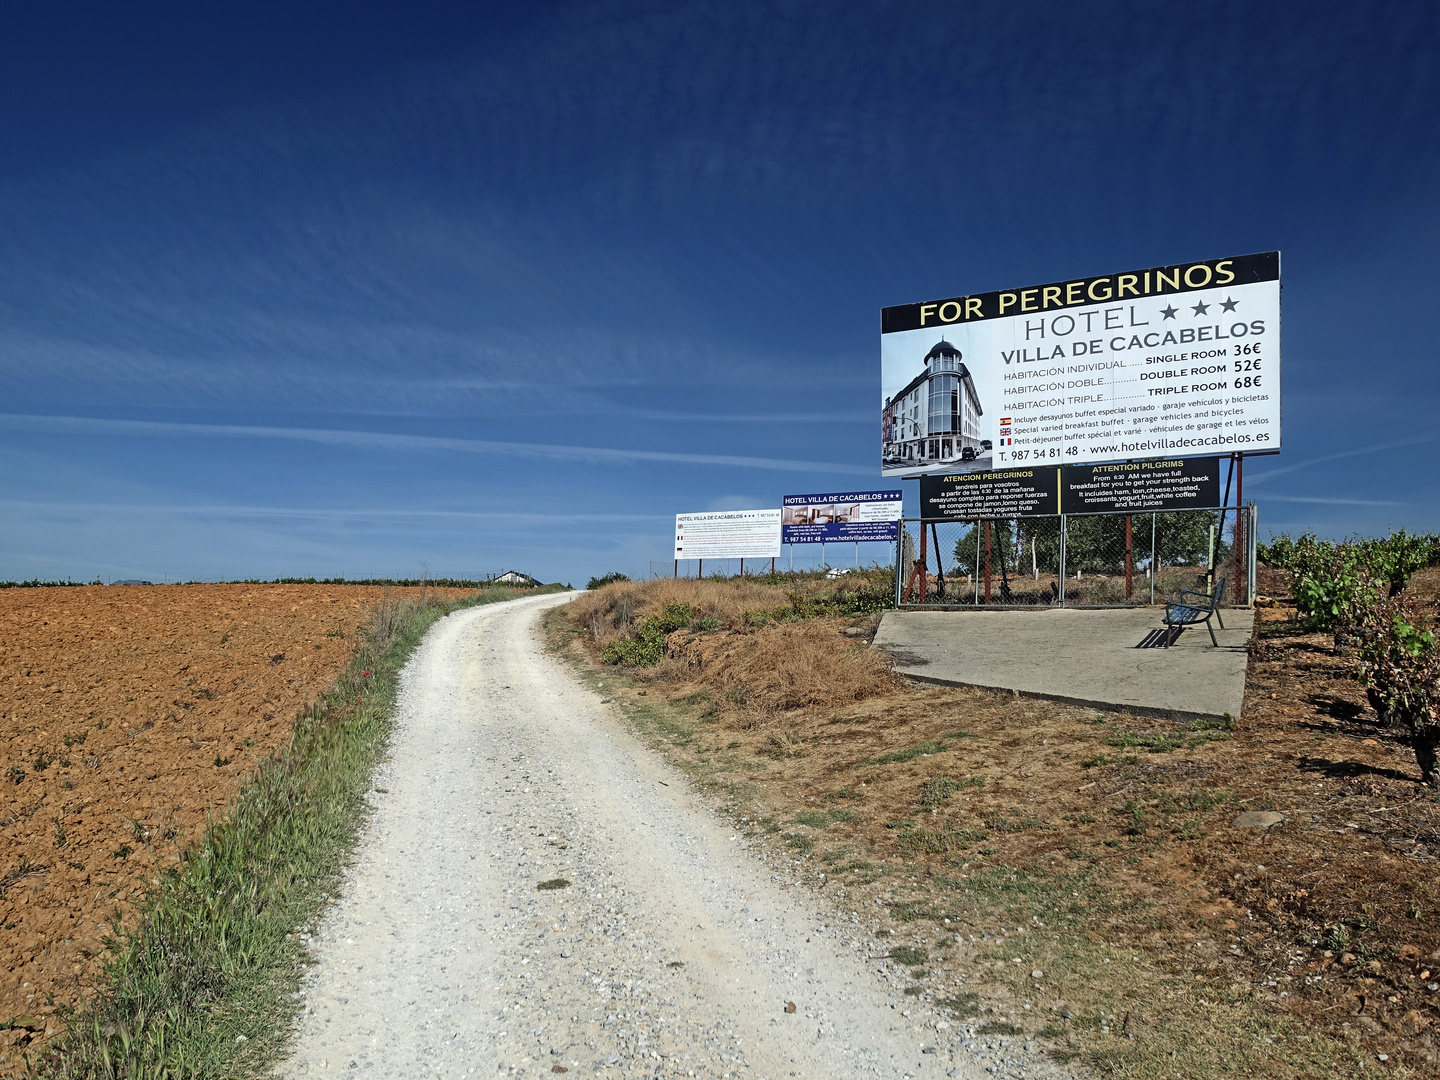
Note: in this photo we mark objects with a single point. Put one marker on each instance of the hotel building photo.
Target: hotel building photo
(935, 419)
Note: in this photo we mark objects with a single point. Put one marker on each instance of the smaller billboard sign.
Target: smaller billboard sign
(728, 534)
(1135, 487)
(1008, 493)
(1132, 487)
(842, 516)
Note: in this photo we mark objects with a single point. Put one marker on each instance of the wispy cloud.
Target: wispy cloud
(1326, 500)
(379, 440)
(502, 518)
(1270, 474)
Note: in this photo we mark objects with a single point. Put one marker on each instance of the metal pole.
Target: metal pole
(924, 560)
(1250, 549)
(1129, 559)
(987, 562)
(1240, 592)
(975, 567)
(1154, 570)
(676, 575)
(857, 554)
(701, 572)
(1061, 597)
(899, 562)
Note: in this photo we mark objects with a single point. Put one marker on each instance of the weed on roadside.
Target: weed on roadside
(204, 988)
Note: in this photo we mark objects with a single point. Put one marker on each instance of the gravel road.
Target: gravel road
(672, 951)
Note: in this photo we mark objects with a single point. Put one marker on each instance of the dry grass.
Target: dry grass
(618, 609)
(749, 645)
(761, 675)
(1096, 847)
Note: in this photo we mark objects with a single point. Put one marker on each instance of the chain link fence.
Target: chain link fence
(1093, 560)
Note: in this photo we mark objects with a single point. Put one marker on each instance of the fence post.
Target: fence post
(899, 561)
(1250, 552)
(975, 566)
(1240, 531)
(1061, 598)
(1154, 567)
(987, 562)
(924, 560)
(1129, 559)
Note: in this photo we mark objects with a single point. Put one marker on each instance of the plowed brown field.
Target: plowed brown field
(127, 713)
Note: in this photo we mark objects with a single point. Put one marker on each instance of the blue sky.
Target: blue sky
(352, 289)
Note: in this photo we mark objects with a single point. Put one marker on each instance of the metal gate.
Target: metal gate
(1076, 560)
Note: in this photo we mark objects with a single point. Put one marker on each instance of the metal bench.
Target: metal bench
(1188, 613)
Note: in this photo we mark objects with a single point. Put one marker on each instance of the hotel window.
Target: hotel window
(943, 396)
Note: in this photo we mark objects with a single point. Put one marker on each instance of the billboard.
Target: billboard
(1140, 364)
(728, 534)
(841, 515)
(1134, 487)
(1007, 493)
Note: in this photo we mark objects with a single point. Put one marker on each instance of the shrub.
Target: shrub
(1333, 585)
(1280, 550)
(607, 579)
(1400, 670)
(647, 647)
(1394, 558)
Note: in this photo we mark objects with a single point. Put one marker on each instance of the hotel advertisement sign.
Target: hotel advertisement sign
(1152, 363)
(1006, 493)
(841, 516)
(1135, 487)
(728, 534)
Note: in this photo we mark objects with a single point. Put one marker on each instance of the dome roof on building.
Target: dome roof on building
(942, 348)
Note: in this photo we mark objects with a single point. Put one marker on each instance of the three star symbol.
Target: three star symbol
(1168, 312)
(1201, 308)
(1229, 305)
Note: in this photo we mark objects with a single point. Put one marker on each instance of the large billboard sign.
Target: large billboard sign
(728, 534)
(1142, 364)
(1132, 487)
(841, 516)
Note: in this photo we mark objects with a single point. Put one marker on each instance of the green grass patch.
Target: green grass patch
(897, 757)
(908, 955)
(204, 988)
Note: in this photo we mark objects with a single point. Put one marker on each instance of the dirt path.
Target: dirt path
(671, 952)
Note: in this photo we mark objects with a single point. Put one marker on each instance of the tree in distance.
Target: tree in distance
(607, 579)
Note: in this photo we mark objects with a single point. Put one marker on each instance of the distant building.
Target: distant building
(936, 417)
(515, 577)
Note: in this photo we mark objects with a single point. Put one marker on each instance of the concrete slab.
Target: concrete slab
(1109, 658)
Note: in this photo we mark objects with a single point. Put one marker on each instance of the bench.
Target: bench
(1189, 612)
